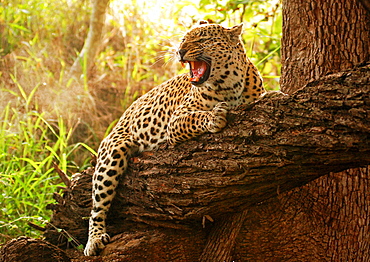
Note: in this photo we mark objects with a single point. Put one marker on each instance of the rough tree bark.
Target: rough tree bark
(331, 213)
(276, 145)
(25, 249)
(322, 37)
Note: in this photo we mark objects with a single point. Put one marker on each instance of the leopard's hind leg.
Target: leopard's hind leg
(112, 160)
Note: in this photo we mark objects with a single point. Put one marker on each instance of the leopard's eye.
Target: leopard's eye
(202, 40)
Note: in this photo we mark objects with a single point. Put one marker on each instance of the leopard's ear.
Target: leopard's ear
(202, 22)
(235, 32)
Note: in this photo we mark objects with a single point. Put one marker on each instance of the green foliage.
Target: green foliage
(47, 116)
(29, 145)
(22, 21)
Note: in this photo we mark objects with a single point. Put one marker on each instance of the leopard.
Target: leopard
(220, 78)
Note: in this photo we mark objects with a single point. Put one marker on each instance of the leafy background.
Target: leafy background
(48, 116)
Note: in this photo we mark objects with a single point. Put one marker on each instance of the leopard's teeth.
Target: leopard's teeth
(194, 79)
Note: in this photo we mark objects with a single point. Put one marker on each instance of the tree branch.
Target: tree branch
(276, 145)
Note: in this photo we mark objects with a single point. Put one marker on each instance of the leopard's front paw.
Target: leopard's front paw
(218, 120)
(95, 244)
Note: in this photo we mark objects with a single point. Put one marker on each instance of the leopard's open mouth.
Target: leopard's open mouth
(199, 71)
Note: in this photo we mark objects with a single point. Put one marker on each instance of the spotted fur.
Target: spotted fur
(222, 77)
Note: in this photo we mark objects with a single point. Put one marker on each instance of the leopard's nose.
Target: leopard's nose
(182, 52)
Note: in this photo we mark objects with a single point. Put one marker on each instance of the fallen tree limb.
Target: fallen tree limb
(273, 146)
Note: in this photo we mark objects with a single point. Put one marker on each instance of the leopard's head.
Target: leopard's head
(211, 51)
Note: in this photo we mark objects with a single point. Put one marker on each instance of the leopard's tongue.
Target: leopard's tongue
(198, 68)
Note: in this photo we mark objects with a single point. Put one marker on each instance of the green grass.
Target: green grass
(28, 147)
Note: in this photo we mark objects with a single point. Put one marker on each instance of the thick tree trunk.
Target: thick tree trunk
(311, 223)
(274, 146)
(322, 37)
(329, 216)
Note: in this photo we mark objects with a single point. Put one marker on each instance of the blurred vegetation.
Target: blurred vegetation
(48, 116)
